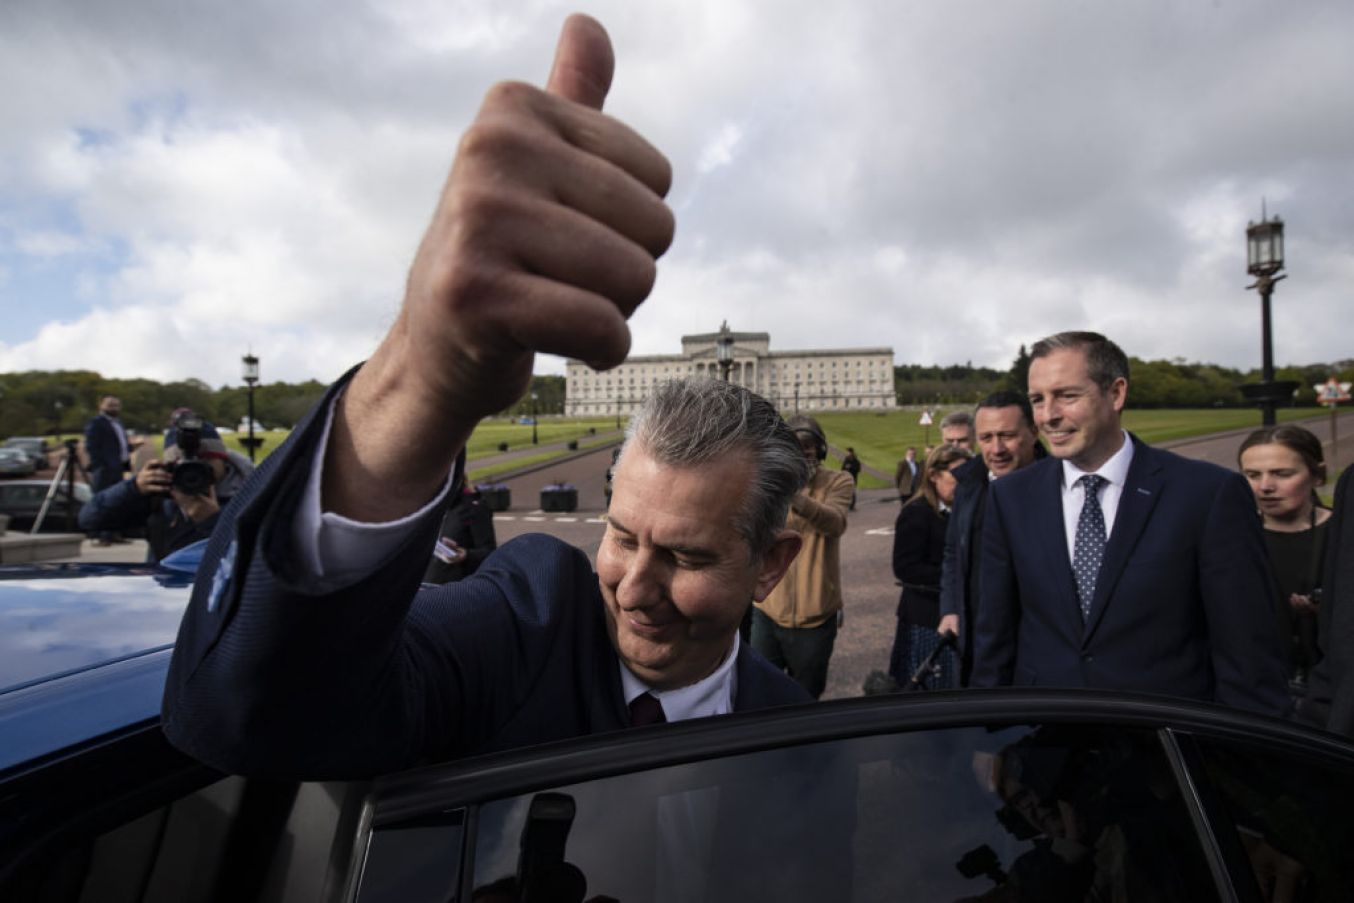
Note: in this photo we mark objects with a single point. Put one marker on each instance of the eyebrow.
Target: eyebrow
(689, 551)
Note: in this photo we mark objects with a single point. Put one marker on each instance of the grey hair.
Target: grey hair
(958, 418)
(689, 422)
(1105, 361)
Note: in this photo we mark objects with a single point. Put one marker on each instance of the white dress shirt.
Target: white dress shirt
(1115, 472)
(712, 695)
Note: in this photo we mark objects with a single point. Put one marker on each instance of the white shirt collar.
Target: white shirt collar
(1115, 470)
(712, 695)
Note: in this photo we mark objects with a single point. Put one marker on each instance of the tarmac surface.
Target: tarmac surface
(866, 551)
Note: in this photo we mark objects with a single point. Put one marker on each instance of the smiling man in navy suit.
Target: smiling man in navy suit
(1114, 565)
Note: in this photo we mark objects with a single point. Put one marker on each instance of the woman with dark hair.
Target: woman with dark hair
(1284, 465)
(918, 550)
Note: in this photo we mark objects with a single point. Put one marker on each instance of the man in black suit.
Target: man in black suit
(1114, 565)
(1004, 427)
(108, 452)
(309, 650)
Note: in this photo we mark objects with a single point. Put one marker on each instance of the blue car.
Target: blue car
(1015, 795)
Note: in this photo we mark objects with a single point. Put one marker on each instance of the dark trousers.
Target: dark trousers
(802, 652)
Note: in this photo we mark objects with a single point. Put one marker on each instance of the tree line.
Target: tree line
(42, 402)
(1154, 384)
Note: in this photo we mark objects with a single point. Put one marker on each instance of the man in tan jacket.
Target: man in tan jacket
(796, 626)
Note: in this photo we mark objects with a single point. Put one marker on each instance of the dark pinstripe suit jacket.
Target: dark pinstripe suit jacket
(272, 677)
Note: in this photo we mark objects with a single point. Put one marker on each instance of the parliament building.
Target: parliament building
(831, 379)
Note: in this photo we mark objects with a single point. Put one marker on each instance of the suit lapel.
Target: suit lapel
(1142, 489)
(1048, 508)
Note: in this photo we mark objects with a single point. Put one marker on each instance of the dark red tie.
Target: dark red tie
(644, 709)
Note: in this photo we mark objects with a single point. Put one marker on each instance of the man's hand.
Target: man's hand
(196, 508)
(948, 624)
(153, 479)
(545, 239)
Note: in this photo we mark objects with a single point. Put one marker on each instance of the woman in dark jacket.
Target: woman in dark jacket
(918, 550)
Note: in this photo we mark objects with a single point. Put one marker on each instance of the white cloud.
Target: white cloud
(948, 179)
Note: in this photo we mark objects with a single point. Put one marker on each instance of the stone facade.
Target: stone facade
(832, 379)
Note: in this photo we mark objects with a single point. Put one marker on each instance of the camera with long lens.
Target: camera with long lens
(190, 474)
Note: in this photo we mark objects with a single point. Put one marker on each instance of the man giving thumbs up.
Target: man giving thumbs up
(309, 649)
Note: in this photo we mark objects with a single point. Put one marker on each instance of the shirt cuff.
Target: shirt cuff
(337, 551)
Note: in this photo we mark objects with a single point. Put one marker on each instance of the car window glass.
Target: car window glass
(1050, 814)
(414, 862)
(1292, 816)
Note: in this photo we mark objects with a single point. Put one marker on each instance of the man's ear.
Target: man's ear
(776, 561)
(1118, 393)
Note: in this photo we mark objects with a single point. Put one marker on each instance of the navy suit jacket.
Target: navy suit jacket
(1182, 606)
(104, 451)
(274, 676)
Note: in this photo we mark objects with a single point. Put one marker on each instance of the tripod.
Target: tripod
(70, 463)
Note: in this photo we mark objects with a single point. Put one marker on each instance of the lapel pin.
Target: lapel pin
(1144, 491)
(221, 579)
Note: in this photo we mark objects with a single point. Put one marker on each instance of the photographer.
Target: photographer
(176, 499)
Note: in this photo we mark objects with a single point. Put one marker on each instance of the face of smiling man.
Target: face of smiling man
(1078, 418)
(675, 573)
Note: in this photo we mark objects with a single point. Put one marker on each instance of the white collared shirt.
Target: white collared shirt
(1115, 472)
(712, 695)
(335, 551)
(124, 454)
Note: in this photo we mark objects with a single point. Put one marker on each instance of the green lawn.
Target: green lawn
(881, 438)
(484, 441)
(878, 438)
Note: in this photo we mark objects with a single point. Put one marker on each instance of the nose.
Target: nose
(642, 585)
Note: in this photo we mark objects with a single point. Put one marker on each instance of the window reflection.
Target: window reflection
(1292, 817)
(1048, 814)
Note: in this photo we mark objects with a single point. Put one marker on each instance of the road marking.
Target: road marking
(880, 531)
(559, 520)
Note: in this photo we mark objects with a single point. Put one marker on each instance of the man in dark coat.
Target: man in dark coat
(309, 650)
(1115, 565)
(107, 449)
(1004, 426)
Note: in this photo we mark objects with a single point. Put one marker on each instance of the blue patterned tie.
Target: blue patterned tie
(1089, 549)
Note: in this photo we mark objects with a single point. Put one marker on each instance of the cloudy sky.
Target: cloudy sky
(184, 181)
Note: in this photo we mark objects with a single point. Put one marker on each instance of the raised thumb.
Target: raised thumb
(584, 62)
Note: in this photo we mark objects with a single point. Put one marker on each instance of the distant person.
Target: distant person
(851, 465)
(1114, 565)
(1284, 465)
(1004, 424)
(957, 429)
(918, 553)
(905, 477)
(795, 626)
(109, 454)
(466, 539)
(177, 499)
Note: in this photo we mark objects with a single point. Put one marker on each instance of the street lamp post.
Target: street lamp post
(796, 398)
(1264, 260)
(57, 407)
(724, 350)
(533, 418)
(251, 378)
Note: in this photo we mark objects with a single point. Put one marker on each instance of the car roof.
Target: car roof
(60, 618)
(84, 649)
